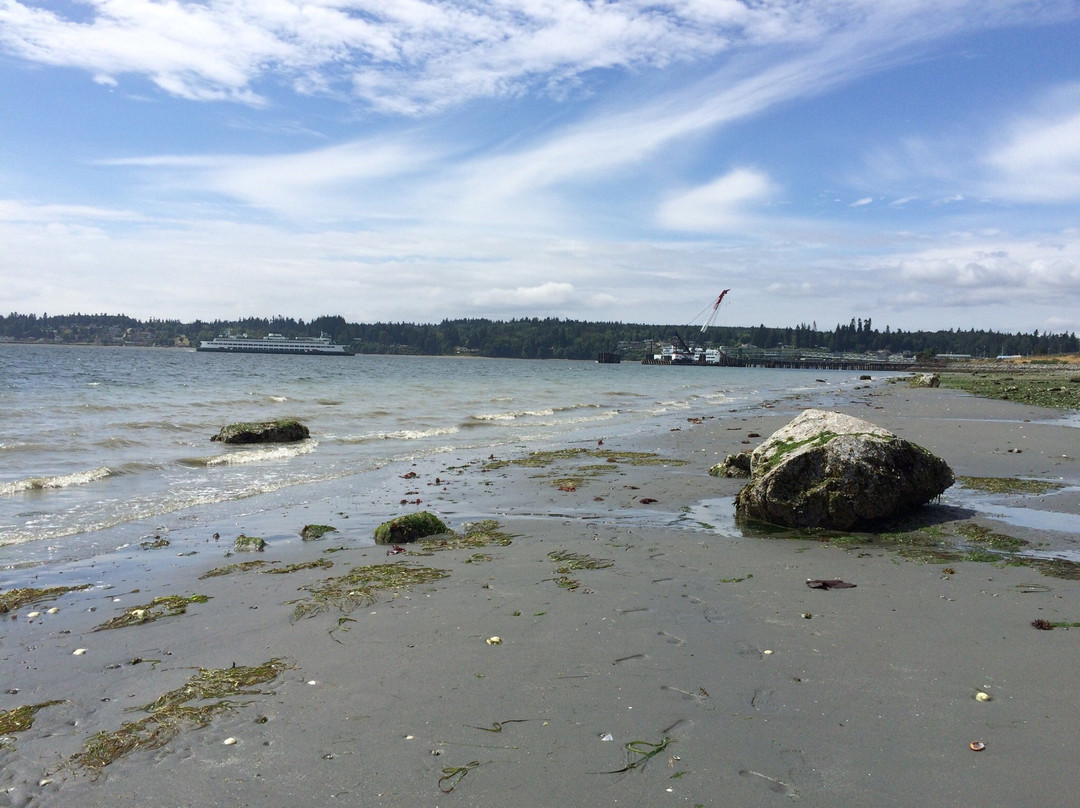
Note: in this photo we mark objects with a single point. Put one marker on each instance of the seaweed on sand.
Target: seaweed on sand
(989, 539)
(578, 561)
(476, 535)
(1009, 485)
(317, 564)
(645, 752)
(358, 587)
(166, 606)
(1044, 388)
(229, 569)
(546, 458)
(21, 719)
(171, 713)
(14, 598)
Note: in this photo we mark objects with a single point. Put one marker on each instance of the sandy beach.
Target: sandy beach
(626, 647)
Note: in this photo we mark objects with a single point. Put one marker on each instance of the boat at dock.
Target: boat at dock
(275, 344)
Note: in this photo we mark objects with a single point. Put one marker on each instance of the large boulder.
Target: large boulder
(834, 471)
(283, 430)
(925, 380)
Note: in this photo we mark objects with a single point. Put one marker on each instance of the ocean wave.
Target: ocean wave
(563, 423)
(263, 453)
(512, 415)
(58, 481)
(403, 434)
(278, 399)
(118, 443)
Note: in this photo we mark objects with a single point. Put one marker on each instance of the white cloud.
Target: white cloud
(529, 298)
(858, 203)
(720, 205)
(1041, 160)
(412, 56)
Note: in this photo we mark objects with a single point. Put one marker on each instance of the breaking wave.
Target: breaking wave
(262, 454)
(58, 481)
(403, 434)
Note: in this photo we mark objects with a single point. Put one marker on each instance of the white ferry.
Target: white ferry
(275, 344)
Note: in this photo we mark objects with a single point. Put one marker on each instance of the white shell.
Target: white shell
(229, 741)
(494, 640)
(980, 696)
(78, 652)
(54, 610)
(33, 614)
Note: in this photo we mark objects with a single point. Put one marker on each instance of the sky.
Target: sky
(916, 162)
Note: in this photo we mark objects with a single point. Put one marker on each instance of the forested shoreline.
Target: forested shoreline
(532, 338)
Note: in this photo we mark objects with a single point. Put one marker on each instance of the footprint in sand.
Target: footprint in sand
(671, 638)
(790, 759)
(698, 697)
(748, 650)
(764, 702)
(775, 785)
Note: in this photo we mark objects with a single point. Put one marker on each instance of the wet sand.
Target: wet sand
(696, 669)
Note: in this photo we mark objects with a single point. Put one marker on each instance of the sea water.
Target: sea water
(100, 445)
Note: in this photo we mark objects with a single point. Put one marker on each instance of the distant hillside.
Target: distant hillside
(531, 338)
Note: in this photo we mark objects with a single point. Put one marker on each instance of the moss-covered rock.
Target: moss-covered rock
(829, 470)
(316, 532)
(282, 430)
(925, 380)
(409, 527)
(249, 544)
(736, 465)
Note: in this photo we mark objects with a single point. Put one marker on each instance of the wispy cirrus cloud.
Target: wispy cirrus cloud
(415, 56)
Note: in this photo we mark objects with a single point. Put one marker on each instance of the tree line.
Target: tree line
(532, 338)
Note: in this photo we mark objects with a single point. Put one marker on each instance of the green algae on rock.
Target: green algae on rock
(281, 430)
(834, 471)
(410, 527)
(316, 532)
(249, 544)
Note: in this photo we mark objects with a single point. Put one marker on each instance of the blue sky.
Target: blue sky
(912, 161)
